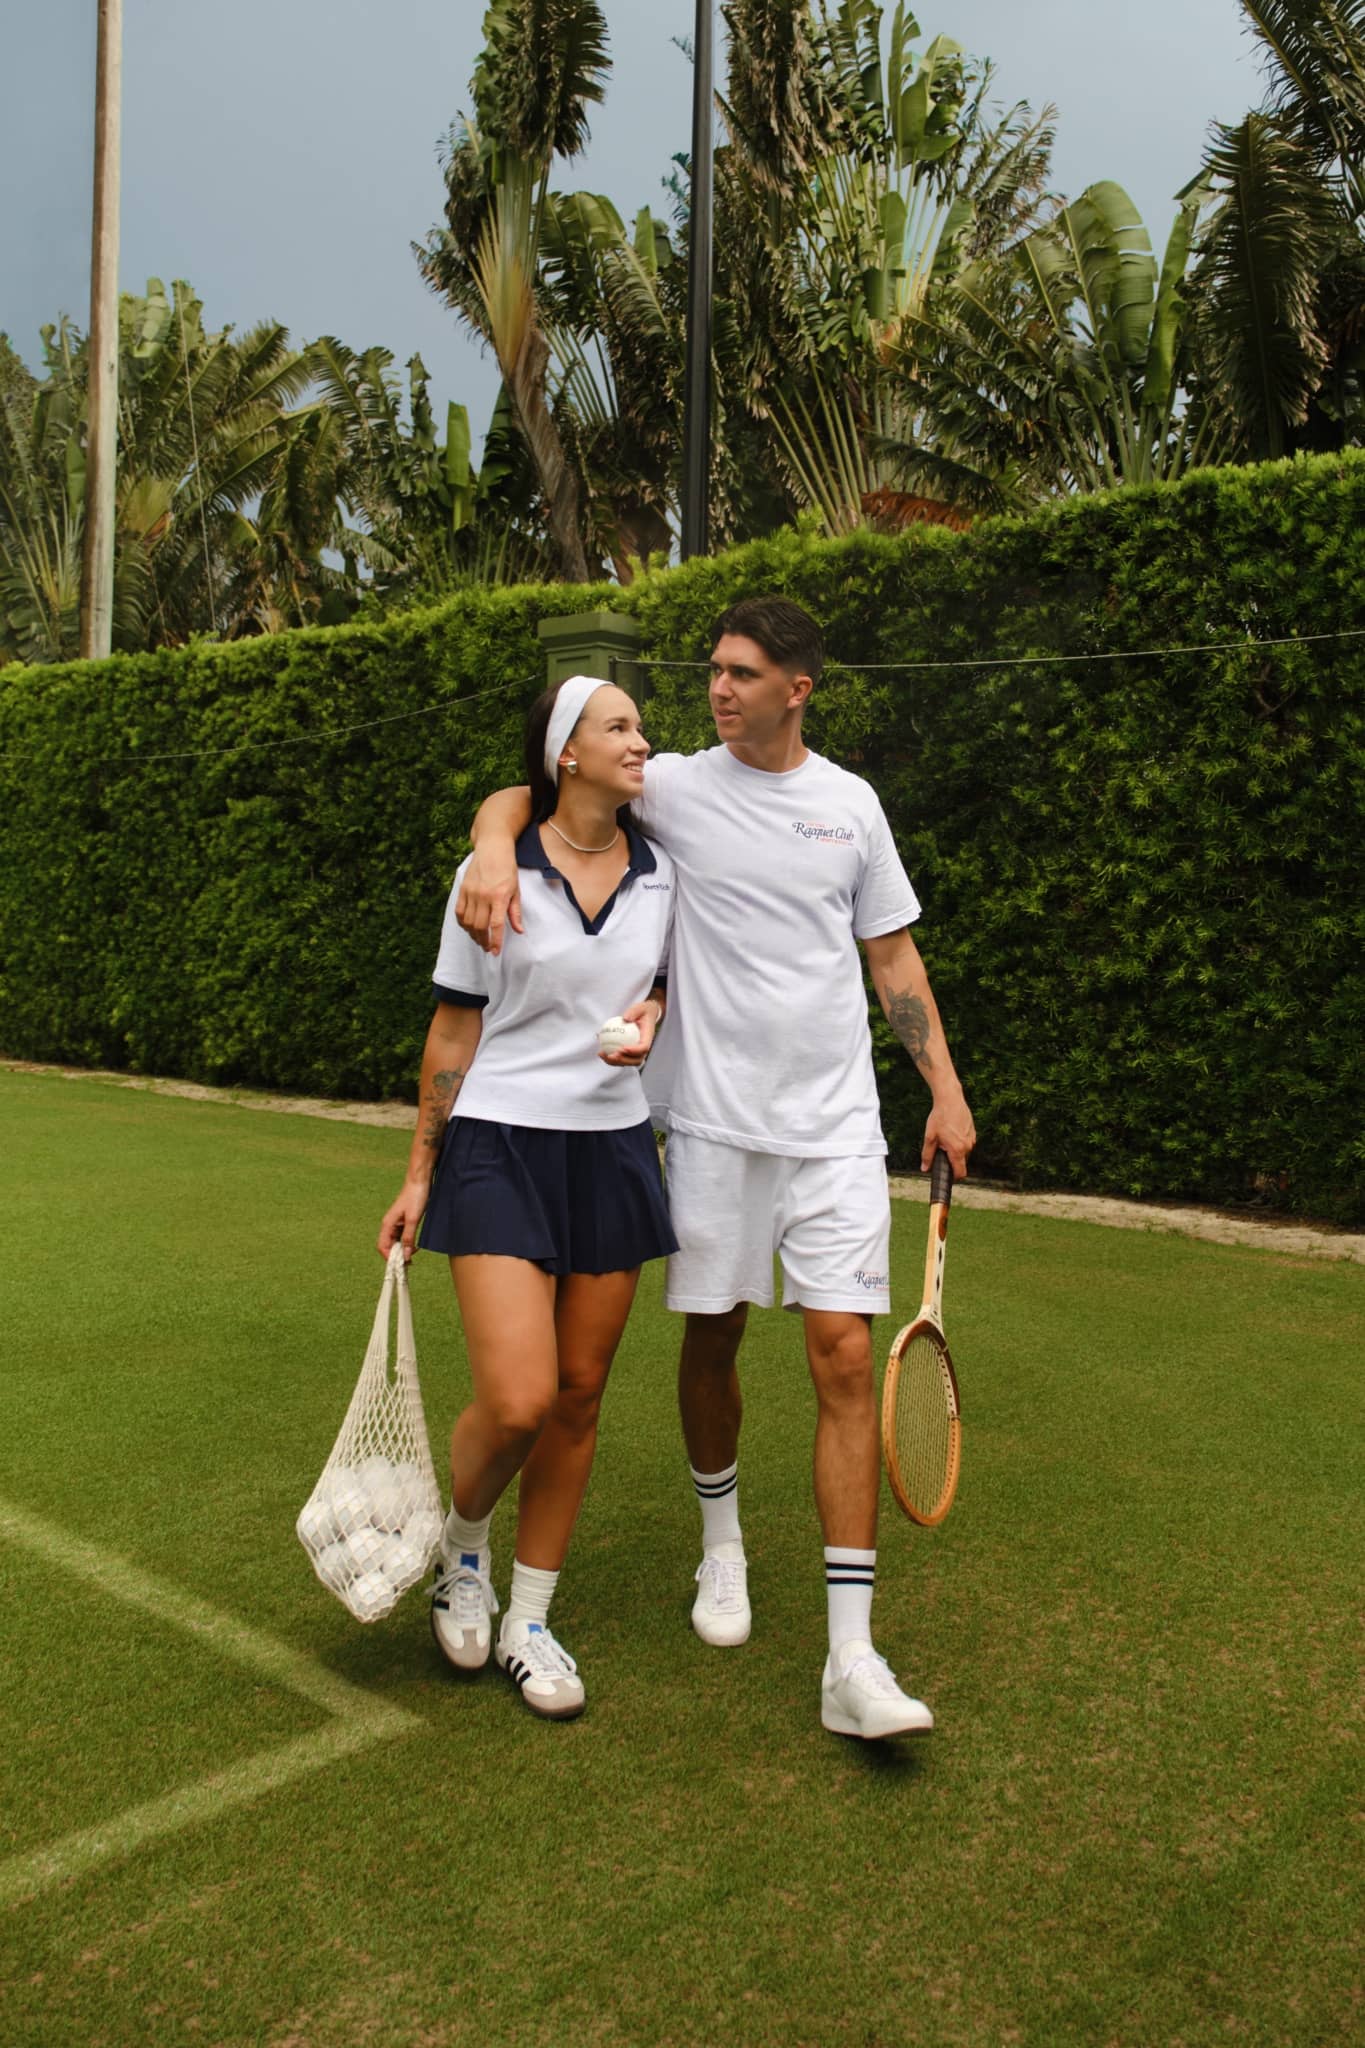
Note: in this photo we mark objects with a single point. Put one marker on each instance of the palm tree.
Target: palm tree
(542, 63)
(42, 486)
(202, 421)
(1066, 362)
(1280, 282)
(895, 178)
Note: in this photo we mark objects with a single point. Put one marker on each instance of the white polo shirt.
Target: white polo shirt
(768, 1046)
(547, 994)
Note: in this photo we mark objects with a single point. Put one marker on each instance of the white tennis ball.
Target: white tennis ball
(423, 1531)
(616, 1035)
(388, 1503)
(402, 1563)
(333, 1566)
(348, 1502)
(371, 1596)
(366, 1546)
(316, 1526)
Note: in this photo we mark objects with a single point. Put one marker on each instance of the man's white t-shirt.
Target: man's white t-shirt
(766, 1045)
(547, 994)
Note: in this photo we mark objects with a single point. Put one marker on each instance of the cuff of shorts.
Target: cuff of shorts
(843, 1304)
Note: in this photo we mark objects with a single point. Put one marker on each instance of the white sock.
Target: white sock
(532, 1592)
(718, 1493)
(464, 1539)
(849, 1576)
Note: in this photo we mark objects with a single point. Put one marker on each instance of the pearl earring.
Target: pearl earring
(571, 767)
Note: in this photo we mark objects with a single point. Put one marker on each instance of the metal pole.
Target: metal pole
(101, 446)
(697, 386)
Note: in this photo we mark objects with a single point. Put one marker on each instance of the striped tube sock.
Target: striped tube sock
(849, 1576)
(532, 1592)
(718, 1493)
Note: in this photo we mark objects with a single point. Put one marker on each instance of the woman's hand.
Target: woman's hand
(647, 1017)
(402, 1217)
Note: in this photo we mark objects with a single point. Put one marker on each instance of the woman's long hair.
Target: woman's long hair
(544, 793)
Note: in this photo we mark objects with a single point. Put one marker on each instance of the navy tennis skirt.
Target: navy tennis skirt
(569, 1201)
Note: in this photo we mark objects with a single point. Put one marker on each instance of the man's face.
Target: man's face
(752, 696)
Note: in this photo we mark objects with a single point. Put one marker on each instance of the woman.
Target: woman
(534, 1169)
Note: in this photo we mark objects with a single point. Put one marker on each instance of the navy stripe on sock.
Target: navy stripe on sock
(849, 1575)
(716, 1492)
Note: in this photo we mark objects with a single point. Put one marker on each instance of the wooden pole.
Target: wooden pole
(697, 385)
(101, 447)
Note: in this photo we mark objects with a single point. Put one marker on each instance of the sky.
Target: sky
(283, 154)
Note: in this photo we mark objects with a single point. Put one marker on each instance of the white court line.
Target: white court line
(358, 1718)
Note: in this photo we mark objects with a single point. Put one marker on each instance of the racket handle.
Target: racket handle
(941, 1178)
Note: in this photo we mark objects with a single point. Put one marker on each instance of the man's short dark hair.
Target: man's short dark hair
(786, 634)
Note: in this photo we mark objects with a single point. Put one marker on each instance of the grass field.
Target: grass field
(231, 1815)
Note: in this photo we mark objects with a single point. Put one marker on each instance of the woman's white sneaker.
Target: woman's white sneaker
(462, 1605)
(542, 1668)
(721, 1614)
(859, 1696)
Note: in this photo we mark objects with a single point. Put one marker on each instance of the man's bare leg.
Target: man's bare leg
(709, 1400)
(847, 1443)
(712, 1409)
(858, 1694)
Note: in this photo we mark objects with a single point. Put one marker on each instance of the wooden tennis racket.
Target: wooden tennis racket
(921, 1419)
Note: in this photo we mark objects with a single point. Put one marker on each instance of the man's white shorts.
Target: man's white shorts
(827, 1220)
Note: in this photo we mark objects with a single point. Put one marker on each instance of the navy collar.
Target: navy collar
(639, 853)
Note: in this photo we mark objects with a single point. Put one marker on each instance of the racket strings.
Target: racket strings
(925, 1427)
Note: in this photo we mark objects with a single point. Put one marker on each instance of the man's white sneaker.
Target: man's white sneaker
(462, 1604)
(542, 1668)
(721, 1613)
(859, 1696)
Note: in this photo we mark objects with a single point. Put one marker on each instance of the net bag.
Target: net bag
(373, 1520)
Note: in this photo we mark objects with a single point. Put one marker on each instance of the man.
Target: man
(764, 1083)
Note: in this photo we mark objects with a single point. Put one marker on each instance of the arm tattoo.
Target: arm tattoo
(445, 1086)
(909, 1020)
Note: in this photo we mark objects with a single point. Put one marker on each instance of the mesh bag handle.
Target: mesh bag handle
(373, 1520)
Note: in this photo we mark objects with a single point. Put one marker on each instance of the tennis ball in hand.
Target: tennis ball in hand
(616, 1035)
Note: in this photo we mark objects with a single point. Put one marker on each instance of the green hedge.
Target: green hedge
(1143, 906)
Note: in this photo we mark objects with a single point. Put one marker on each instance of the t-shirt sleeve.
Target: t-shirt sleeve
(461, 971)
(885, 900)
(653, 807)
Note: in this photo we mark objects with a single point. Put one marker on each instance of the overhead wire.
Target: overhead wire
(620, 664)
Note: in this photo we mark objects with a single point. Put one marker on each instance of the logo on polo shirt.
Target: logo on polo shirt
(835, 835)
(657, 885)
(875, 1283)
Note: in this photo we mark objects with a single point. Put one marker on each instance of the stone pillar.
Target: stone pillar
(593, 644)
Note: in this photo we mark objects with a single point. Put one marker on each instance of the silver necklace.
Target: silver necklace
(583, 849)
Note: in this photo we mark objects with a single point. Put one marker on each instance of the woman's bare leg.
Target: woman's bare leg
(507, 1307)
(590, 1314)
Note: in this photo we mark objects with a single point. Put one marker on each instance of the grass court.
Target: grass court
(232, 1815)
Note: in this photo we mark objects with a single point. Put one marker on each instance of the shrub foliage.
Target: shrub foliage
(1144, 916)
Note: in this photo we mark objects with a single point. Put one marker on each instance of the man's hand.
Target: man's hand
(950, 1126)
(490, 895)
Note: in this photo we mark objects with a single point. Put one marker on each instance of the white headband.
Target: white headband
(574, 693)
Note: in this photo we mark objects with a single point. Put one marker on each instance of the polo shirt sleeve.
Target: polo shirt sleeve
(885, 900)
(461, 971)
(667, 871)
